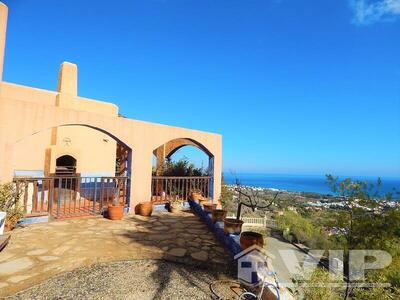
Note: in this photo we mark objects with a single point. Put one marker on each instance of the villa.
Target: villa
(60, 145)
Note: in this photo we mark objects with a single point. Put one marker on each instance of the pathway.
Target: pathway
(38, 252)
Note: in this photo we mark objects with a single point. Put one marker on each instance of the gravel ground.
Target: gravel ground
(140, 279)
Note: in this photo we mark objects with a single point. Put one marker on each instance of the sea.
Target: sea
(306, 183)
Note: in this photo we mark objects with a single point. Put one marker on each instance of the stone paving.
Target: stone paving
(38, 252)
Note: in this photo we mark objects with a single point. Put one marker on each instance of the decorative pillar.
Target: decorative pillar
(216, 164)
(141, 174)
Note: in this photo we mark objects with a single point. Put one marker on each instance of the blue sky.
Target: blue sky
(305, 87)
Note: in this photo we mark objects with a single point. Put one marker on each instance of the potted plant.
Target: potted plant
(115, 210)
(196, 195)
(203, 201)
(175, 205)
(232, 226)
(250, 238)
(218, 215)
(145, 208)
(208, 207)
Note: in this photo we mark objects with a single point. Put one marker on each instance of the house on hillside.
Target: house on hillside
(68, 151)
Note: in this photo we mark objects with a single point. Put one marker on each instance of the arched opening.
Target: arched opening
(180, 167)
(72, 170)
(65, 165)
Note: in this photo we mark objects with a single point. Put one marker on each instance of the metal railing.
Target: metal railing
(70, 196)
(257, 222)
(167, 188)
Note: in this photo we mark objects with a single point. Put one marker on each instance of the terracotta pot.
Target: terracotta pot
(232, 225)
(203, 201)
(8, 227)
(145, 208)
(250, 238)
(195, 196)
(209, 207)
(115, 212)
(174, 208)
(218, 215)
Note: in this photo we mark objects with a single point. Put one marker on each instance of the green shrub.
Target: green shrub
(303, 230)
(180, 168)
(319, 286)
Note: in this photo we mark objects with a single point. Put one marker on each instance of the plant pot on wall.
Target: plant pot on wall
(250, 238)
(208, 207)
(203, 201)
(174, 207)
(115, 212)
(195, 195)
(218, 215)
(232, 226)
(145, 208)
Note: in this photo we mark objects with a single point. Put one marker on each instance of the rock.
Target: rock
(18, 278)
(194, 244)
(58, 223)
(219, 249)
(180, 242)
(37, 252)
(218, 260)
(201, 255)
(159, 228)
(48, 258)
(6, 256)
(3, 284)
(177, 252)
(15, 265)
(159, 237)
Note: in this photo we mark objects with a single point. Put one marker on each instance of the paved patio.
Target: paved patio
(38, 252)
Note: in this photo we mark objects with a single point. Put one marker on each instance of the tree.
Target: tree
(369, 225)
(181, 168)
(318, 287)
(253, 199)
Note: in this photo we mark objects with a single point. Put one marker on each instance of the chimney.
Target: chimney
(3, 27)
(68, 79)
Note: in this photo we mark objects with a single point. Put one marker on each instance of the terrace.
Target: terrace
(41, 251)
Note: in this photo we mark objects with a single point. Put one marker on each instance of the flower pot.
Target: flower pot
(218, 215)
(115, 212)
(145, 208)
(195, 196)
(250, 238)
(208, 207)
(8, 227)
(174, 208)
(203, 201)
(232, 226)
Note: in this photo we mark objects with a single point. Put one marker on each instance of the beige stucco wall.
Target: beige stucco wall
(94, 151)
(27, 115)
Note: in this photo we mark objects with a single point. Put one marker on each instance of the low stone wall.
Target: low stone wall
(231, 242)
